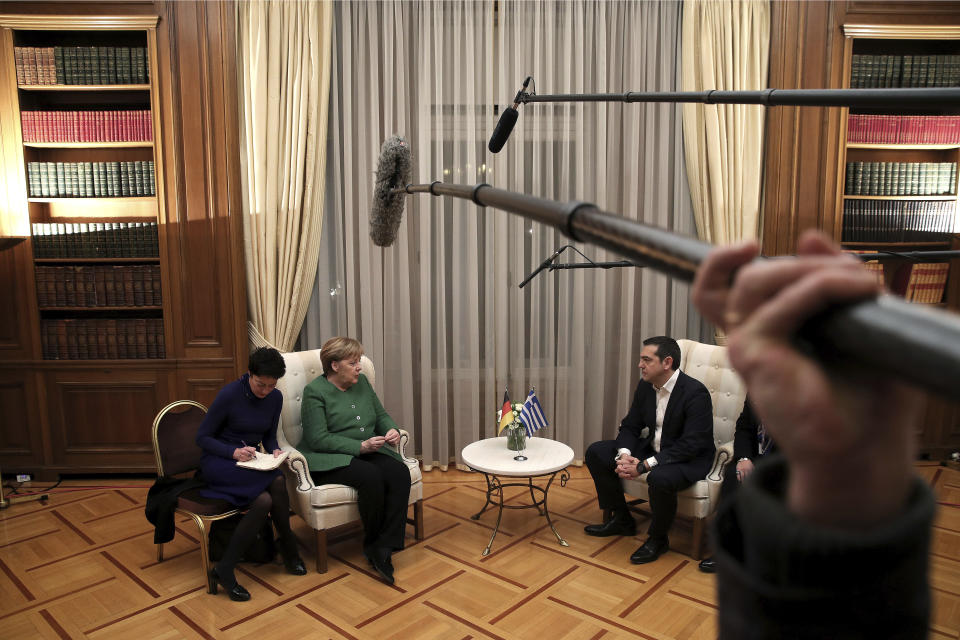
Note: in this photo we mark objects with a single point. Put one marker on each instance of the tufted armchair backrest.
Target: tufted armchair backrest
(303, 367)
(710, 365)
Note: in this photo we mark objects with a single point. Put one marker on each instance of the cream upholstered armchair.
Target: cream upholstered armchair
(331, 505)
(708, 364)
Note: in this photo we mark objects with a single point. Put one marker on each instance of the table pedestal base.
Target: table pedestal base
(495, 488)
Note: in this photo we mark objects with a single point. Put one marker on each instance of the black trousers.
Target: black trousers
(663, 483)
(383, 491)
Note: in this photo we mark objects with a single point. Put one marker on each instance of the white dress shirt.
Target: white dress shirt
(663, 399)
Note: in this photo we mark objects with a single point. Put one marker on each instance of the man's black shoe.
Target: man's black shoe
(617, 526)
(708, 565)
(650, 551)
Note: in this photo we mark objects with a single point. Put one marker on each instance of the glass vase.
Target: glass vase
(516, 437)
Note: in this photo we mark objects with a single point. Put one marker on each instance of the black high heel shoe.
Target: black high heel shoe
(236, 592)
(292, 560)
(379, 559)
(295, 566)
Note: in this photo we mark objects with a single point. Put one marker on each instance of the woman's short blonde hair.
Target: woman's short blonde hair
(336, 349)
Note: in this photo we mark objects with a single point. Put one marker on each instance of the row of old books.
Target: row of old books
(897, 220)
(923, 282)
(98, 286)
(91, 179)
(874, 129)
(900, 178)
(120, 125)
(95, 240)
(102, 338)
(879, 71)
(81, 65)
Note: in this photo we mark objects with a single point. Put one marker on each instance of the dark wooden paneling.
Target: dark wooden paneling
(202, 385)
(20, 438)
(99, 419)
(203, 220)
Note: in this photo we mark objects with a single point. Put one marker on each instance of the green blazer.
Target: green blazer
(336, 422)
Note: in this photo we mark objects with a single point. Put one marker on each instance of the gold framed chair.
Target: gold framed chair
(176, 451)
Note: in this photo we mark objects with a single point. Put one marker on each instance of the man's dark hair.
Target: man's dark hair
(666, 347)
(267, 362)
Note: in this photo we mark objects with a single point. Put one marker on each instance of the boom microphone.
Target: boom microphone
(507, 121)
(393, 172)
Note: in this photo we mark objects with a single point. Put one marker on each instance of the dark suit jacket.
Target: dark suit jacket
(687, 438)
(745, 442)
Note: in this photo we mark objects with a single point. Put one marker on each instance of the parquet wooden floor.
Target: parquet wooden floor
(83, 566)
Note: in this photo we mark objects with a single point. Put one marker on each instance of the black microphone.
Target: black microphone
(393, 173)
(546, 263)
(507, 121)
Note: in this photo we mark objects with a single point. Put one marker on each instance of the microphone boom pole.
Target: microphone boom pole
(876, 332)
(926, 98)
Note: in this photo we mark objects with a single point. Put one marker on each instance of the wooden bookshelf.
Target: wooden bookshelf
(82, 374)
(907, 197)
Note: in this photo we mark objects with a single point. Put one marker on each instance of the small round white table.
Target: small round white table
(544, 458)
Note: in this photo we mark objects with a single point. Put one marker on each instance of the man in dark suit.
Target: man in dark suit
(668, 434)
(750, 443)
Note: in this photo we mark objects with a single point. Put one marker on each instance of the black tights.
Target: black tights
(275, 501)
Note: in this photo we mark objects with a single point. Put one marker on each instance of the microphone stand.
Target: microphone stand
(550, 265)
(876, 332)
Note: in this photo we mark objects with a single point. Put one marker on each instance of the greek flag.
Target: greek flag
(532, 414)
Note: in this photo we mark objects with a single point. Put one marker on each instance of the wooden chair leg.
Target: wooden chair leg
(160, 552)
(418, 519)
(321, 550)
(699, 526)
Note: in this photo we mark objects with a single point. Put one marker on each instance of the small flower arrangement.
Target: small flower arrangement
(515, 431)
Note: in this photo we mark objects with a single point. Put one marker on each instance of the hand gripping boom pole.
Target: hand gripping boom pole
(873, 332)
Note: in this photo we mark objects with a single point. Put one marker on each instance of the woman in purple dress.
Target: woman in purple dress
(244, 415)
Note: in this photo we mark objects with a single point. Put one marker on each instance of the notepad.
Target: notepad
(264, 461)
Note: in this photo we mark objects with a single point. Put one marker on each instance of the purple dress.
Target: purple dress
(237, 417)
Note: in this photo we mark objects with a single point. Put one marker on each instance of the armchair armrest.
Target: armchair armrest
(297, 465)
(402, 445)
(720, 460)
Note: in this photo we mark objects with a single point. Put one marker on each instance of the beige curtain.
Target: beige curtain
(726, 46)
(283, 53)
(440, 311)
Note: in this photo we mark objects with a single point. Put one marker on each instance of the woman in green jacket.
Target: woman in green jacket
(345, 433)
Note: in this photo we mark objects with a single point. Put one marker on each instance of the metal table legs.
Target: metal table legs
(495, 488)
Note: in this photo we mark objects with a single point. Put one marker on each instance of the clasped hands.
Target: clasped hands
(373, 443)
(630, 467)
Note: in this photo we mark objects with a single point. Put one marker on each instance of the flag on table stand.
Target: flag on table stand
(506, 413)
(532, 414)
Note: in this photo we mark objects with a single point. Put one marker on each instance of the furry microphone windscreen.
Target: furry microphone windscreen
(393, 171)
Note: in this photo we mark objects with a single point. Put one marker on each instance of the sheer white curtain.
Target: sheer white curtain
(440, 311)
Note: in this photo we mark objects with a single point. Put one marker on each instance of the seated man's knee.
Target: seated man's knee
(596, 453)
